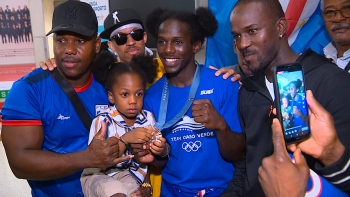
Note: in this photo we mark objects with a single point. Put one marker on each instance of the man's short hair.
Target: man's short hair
(74, 16)
(273, 7)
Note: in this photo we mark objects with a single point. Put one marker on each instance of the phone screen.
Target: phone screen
(293, 110)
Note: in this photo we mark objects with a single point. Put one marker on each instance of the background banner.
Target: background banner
(101, 8)
(16, 44)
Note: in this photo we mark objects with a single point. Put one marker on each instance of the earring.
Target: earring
(281, 35)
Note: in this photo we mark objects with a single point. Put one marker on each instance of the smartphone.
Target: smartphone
(291, 105)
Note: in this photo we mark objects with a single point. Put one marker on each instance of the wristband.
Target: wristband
(126, 144)
(167, 151)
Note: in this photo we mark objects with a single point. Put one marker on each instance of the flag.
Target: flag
(319, 186)
(219, 48)
(306, 30)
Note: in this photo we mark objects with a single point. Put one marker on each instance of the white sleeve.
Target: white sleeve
(151, 119)
(94, 128)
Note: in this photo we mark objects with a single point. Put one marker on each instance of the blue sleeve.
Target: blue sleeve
(22, 102)
(229, 104)
(152, 97)
(147, 105)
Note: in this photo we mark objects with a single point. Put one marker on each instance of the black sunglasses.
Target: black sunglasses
(121, 38)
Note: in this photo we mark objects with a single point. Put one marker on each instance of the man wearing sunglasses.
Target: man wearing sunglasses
(127, 37)
(125, 32)
(336, 16)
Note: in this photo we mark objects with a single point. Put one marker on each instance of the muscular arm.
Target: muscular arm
(23, 149)
(23, 146)
(230, 139)
(231, 144)
(222, 116)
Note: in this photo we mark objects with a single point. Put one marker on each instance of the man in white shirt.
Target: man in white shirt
(336, 16)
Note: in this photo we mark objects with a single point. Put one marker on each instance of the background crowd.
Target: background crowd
(15, 25)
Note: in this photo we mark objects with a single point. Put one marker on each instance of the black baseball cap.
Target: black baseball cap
(74, 16)
(118, 18)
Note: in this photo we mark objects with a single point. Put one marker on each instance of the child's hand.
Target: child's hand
(155, 132)
(142, 153)
(159, 147)
(147, 158)
(138, 135)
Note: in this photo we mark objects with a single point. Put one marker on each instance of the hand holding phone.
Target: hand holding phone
(291, 105)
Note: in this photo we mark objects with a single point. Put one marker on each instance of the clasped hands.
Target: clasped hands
(104, 152)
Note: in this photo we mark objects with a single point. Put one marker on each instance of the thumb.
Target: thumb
(278, 139)
(300, 160)
(292, 147)
(122, 159)
(314, 106)
(101, 134)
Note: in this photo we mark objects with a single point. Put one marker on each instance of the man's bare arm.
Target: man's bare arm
(231, 144)
(23, 146)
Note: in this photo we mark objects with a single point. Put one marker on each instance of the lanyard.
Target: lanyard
(161, 124)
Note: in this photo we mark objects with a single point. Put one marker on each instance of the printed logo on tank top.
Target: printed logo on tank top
(188, 134)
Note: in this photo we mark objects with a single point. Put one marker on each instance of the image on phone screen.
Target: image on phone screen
(293, 106)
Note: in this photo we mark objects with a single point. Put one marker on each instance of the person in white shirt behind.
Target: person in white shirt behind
(336, 16)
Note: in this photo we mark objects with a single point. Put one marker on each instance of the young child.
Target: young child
(286, 110)
(126, 120)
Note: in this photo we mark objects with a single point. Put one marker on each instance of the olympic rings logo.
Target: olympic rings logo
(191, 146)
